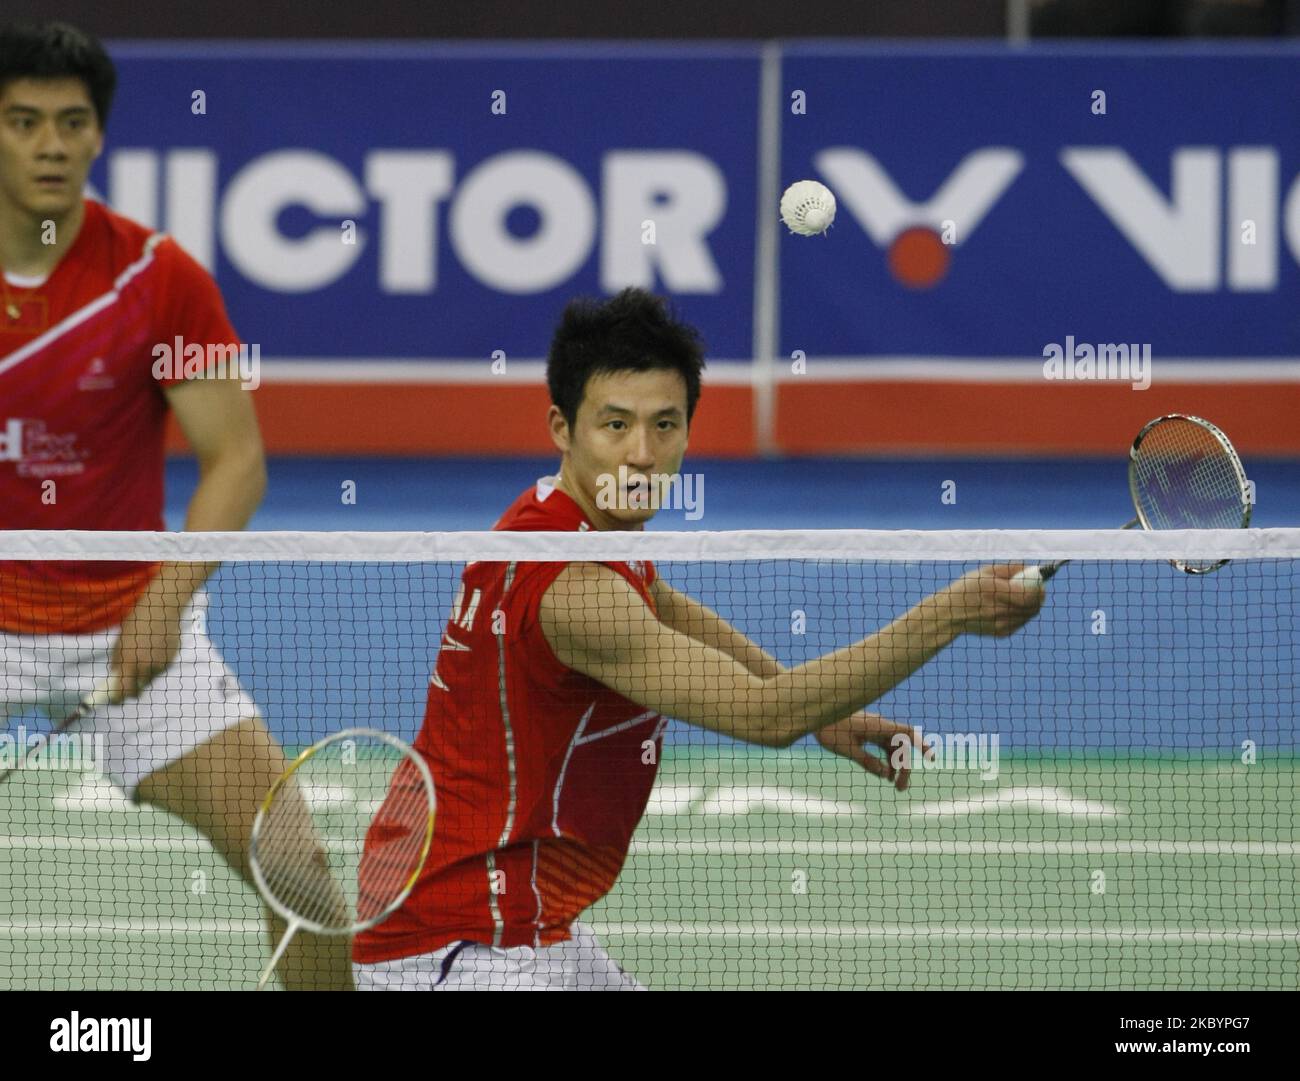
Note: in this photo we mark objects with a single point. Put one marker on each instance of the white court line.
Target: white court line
(140, 928)
(132, 844)
(1137, 847)
(1047, 800)
(805, 932)
(99, 927)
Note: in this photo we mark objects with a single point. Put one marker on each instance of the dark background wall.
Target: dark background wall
(121, 19)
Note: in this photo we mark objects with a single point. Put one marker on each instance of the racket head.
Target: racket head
(1184, 473)
(310, 831)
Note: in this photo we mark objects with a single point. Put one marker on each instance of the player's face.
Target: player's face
(630, 429)
(49, 137)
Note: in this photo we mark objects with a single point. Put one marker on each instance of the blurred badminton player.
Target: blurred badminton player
(86, 294)
(554, 682)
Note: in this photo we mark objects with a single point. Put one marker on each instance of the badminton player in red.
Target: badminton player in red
(85, 297)
(554, 682)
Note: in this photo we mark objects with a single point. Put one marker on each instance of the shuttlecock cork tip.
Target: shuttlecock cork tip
(816, 219)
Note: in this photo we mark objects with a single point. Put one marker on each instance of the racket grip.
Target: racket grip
(1038, 575)
(106, 693)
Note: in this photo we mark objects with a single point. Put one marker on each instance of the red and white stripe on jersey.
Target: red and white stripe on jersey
(82, 416)
(542, 773)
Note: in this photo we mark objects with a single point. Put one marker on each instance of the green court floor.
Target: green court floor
(767, 869)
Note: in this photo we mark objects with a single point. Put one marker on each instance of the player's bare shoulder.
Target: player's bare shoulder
(592, 610)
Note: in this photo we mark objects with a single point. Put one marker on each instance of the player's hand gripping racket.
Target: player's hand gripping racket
(1183, 474)
(106, 693)
(357, 791)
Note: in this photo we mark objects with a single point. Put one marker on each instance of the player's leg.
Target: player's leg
(193, 744)
(216, 788)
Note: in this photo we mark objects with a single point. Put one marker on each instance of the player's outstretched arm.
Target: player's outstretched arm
(684, 613)
(851, 737)
(597, 624)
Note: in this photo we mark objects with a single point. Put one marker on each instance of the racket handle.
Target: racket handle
(1036, 576)
(1044, 571)
(107, 693)
(285, 939)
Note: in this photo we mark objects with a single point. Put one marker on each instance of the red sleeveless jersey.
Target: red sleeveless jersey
(82, 413)
(541, 773)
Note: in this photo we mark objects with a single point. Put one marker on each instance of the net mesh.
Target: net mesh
(1110, 801)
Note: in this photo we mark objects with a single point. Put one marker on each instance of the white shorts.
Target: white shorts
(194, 699)
(580, 964)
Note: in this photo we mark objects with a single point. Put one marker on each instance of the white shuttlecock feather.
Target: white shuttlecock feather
(808, 207)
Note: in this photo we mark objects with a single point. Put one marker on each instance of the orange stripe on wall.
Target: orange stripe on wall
(451, 419)
(811, 418)
(991, 418)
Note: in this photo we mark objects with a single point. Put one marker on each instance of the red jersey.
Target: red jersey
(541, 772)
(82, 414)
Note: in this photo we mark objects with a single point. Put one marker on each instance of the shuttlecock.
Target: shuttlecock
(808, 207)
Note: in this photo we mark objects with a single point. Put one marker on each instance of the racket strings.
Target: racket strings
(296, 865)
(395, 846)
(1184, 478)
(341, 841)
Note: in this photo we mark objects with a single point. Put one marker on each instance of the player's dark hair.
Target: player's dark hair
(55, 50)
(633, 331)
